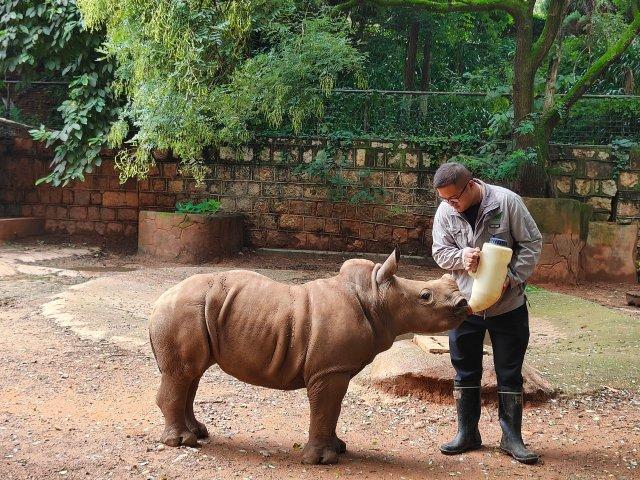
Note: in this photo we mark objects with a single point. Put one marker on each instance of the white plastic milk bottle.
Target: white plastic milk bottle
(490, 275)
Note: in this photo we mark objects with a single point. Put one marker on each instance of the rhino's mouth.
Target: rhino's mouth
(461, 307)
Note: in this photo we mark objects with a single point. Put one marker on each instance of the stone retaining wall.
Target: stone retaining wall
(590, 174)
(610, 252)
(564, 224)
(282, 209)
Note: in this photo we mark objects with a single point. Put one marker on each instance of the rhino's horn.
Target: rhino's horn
(389, 267)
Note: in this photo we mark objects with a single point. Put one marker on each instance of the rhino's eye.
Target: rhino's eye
(425, 295)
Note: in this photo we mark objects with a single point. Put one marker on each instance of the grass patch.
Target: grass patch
(600, 345)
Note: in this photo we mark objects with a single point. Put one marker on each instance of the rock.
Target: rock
(179, 458)
(6, 269)
(633, 298)
(405, 369)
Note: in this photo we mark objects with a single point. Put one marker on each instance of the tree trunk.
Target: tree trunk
(552, 77)
(533, 180)
(426, 62)
(523, 78)
(412, 53)
(542, 136)
(629, 81)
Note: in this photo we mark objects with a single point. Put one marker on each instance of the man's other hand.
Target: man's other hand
(470, 258)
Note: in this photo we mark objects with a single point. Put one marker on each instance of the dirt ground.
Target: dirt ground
(72, 407)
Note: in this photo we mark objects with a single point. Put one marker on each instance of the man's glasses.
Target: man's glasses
(455, 198)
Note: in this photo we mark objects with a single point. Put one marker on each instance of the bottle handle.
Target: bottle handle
(475, 274)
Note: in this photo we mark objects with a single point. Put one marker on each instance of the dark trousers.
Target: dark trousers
(509, 334)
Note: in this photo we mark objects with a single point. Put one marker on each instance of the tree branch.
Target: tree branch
(555, 16)
(346, 5)
(514, 7)
(613, 53)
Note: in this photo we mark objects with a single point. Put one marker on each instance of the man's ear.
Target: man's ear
(389, 267)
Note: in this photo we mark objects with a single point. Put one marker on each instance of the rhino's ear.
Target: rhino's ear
(389, 267)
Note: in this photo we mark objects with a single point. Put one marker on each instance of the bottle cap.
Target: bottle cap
(498, 241)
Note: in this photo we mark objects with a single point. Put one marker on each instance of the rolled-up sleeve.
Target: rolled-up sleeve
(444, 249)
(527, 242)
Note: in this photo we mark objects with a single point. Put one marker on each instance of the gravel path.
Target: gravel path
(80, 404)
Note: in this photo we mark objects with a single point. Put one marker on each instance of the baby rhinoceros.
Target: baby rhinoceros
(315, 336)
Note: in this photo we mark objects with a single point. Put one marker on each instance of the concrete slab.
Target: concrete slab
(15, 259)
(116, 308)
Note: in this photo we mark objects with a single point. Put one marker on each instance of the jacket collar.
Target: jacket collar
(489, 200)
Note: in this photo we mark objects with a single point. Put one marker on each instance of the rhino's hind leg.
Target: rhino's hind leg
(196, 427)
(325, 400)
(172, 400)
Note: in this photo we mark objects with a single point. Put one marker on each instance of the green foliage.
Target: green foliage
(203, 73)
(498, 158)
(598, 121)
(499, 165)
(533, 289)
(184, 75)
(43, 39)
(591, 29)
(467, 49)
(78, 143)
(206, 207)
(620, 151)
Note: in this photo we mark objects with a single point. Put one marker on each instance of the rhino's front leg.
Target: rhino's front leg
(325, 400)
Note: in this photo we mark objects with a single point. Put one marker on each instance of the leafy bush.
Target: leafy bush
(206, 207)
(44, 39)
(200, 74)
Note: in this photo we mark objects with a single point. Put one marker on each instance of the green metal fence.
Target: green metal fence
(595, 119)
(394, 115)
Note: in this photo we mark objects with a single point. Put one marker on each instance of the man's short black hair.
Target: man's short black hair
(451, 173)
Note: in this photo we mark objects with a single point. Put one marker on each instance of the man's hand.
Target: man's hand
(505, 287)
(470, 257)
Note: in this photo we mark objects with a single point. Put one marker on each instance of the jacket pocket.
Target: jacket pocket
(501, 232)
(460, 237)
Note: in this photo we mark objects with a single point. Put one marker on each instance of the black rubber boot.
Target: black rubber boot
(468, 406)
(510, 412)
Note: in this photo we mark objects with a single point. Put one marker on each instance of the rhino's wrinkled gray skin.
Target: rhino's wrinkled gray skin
(315, 336)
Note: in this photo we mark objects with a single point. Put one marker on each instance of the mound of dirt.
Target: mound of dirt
(405, 369)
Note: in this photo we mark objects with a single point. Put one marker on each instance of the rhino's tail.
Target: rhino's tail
(154, 352)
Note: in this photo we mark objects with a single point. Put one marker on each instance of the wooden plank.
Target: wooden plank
(438, 344)
(432, 344)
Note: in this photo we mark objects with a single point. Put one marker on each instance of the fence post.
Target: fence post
(365, 113)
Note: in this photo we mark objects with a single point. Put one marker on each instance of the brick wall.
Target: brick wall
(282, 209)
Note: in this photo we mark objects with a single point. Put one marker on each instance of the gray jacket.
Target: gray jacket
(502, 213)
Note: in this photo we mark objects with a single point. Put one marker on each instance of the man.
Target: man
(471, 212)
